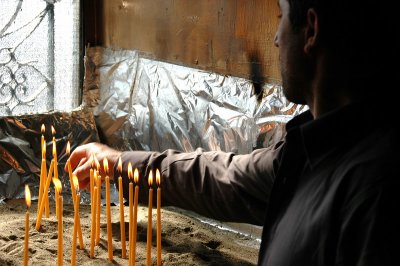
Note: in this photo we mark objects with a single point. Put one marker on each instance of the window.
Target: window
(39, 56)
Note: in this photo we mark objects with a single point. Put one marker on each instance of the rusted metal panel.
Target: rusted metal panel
(232, 37)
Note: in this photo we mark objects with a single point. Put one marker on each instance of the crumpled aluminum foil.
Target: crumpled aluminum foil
(143, 104)
(146, 104)
(20, 151)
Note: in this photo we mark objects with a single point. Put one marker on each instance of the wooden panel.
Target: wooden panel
(232, 37)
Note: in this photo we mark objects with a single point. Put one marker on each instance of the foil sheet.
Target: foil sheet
(20, 151)
(132, 102)
(144, 104)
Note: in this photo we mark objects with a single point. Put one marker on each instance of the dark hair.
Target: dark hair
(365, 33)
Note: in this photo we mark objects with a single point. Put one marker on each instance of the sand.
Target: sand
(185, 239)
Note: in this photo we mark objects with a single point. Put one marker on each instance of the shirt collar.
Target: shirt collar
(320, 137)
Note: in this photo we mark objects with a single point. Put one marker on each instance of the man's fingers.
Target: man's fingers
(78, 154)
(82, 171)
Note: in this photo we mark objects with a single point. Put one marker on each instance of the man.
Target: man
(335, 176)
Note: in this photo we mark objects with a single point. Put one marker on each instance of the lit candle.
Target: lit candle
(135, 210)
(42, 167)
(131, 251)
(73, 191)
(158, 181)
(57, 184)
(149, 223)
(28, 204)
(93, 235)
(68, 151)
(58, 187)
(91, 184)
(98, 202)
(60, 230)
(108, 211)
(53, 131)
(42, 143)
(121, 209)
(43, 174)
(76, 218)
(45, 196)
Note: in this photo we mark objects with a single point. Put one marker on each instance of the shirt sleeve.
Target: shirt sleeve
(219, 185)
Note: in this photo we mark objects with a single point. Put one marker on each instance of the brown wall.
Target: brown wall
(233, 37)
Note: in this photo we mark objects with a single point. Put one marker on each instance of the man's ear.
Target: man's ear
(311, 31)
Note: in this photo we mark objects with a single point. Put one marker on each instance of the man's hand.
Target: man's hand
(81, 160)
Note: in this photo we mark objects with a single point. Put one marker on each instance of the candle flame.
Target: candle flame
(68, 150)
(105, 165)
(158, 177)
(130, 174)
(53, 131)
(44, 149)
(136, 176)
(75, 182)
(151, 178)
(57, 184)
(43, 128)
(96, 162)
(120, 165)
(27, 196)
(92, 162)
(95, 176)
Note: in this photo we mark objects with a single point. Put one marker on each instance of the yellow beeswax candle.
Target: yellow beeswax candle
(130, 176)
(135, 212)
(45, 196)
(93, 235)
(108, 211)
(121, 210)
(53, 131)
(76, 219)
(60, 250)
(98, 202)
(91, 180)
(158, 181)
(68, 151)
(57, 188)
(149, 220)
(26, 243)
(42, 168)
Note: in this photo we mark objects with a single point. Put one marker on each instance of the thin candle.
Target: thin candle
(58, 187)
(149, 221)
(43, 175)
(60, 230)
(158, 181)
(53, 131)
(121, 210)
(76, 219)
(73, 191)
(45, 196)
(98, 206)
(42, 167)
(26, 244)
(131, 251)
(68, 151)
(91, 180)
(43, 142)
(108, 211)
(135, 211)
(93, 235)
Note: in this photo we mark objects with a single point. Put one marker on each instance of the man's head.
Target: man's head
(358, 40)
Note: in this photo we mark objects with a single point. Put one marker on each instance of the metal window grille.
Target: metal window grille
(39, 56)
